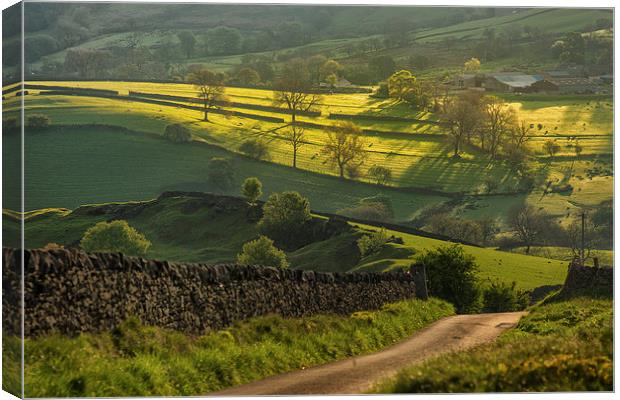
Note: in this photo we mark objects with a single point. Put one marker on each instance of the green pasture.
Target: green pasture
(180, 229)
(548, 20)
(71, 167)
(419, 162)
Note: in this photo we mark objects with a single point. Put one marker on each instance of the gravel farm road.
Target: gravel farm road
(356, 375)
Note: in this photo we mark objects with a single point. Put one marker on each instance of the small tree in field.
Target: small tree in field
(551, 147)
(252, 189)
(295, 136)
(210, 86)
(284, 216)
(263, 252)
(401, 84)
(293, 87)
(345, 147)
(115, 236)
(381, 175)
(528, 224)
(177, 133)
(220, 173)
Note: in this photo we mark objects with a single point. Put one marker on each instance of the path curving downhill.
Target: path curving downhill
(356, 375)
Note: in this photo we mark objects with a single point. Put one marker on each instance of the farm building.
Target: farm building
(504, 82)
(340, 83)
(511, 82)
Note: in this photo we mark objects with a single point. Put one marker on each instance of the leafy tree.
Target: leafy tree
(210, 86)
(115, 236)
(292, 87)
(345, 146)
(87, 63)
(252, 189)
(315, 65)
(188, 42)
(37, 121)
(256, 149)
(284, 217)
(401, 83)
(472, 65)
(528, 224)
(223, 40)
(330, 67)
(177, 133)
(380, 174)
(452, 275)
(263, 252)
(373, 243)
(248, 76)
(220, 173)
(382, 66)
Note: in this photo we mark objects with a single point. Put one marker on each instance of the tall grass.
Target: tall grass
(563, 346)
(135, 360)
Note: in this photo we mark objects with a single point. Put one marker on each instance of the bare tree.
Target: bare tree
(210, 86)
(463, 115)
(295, 136)
(528, 224)
(499, 119)
(345, 147)
(292, 87)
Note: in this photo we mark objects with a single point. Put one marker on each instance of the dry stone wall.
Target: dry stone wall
(70, 291)
(591, 280)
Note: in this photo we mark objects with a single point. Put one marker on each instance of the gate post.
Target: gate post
(418, 272)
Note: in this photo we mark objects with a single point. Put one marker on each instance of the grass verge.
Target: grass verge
(562, 346)
(135, 360)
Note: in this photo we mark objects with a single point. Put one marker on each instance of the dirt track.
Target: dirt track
(357, 374)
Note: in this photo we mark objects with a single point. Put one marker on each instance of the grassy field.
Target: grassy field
(420, 162)
(416, 161)
(163, 220)
(60, 173)
(557, 347)
(147, 361)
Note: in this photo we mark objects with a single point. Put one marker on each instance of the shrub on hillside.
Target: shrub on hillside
(381, 175)
(374, 208)
(220, 173)
(38, 121)
(115, 236)
(252, 189)
(262, 252)
(284, 217)
(177, 133)
(501, 297)
(373, 243)
(369, 212)
(256, 149)
(451, 275)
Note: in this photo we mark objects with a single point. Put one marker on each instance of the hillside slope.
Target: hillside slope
(212, 229)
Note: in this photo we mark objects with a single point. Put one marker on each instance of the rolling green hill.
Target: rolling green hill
(194, 228)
